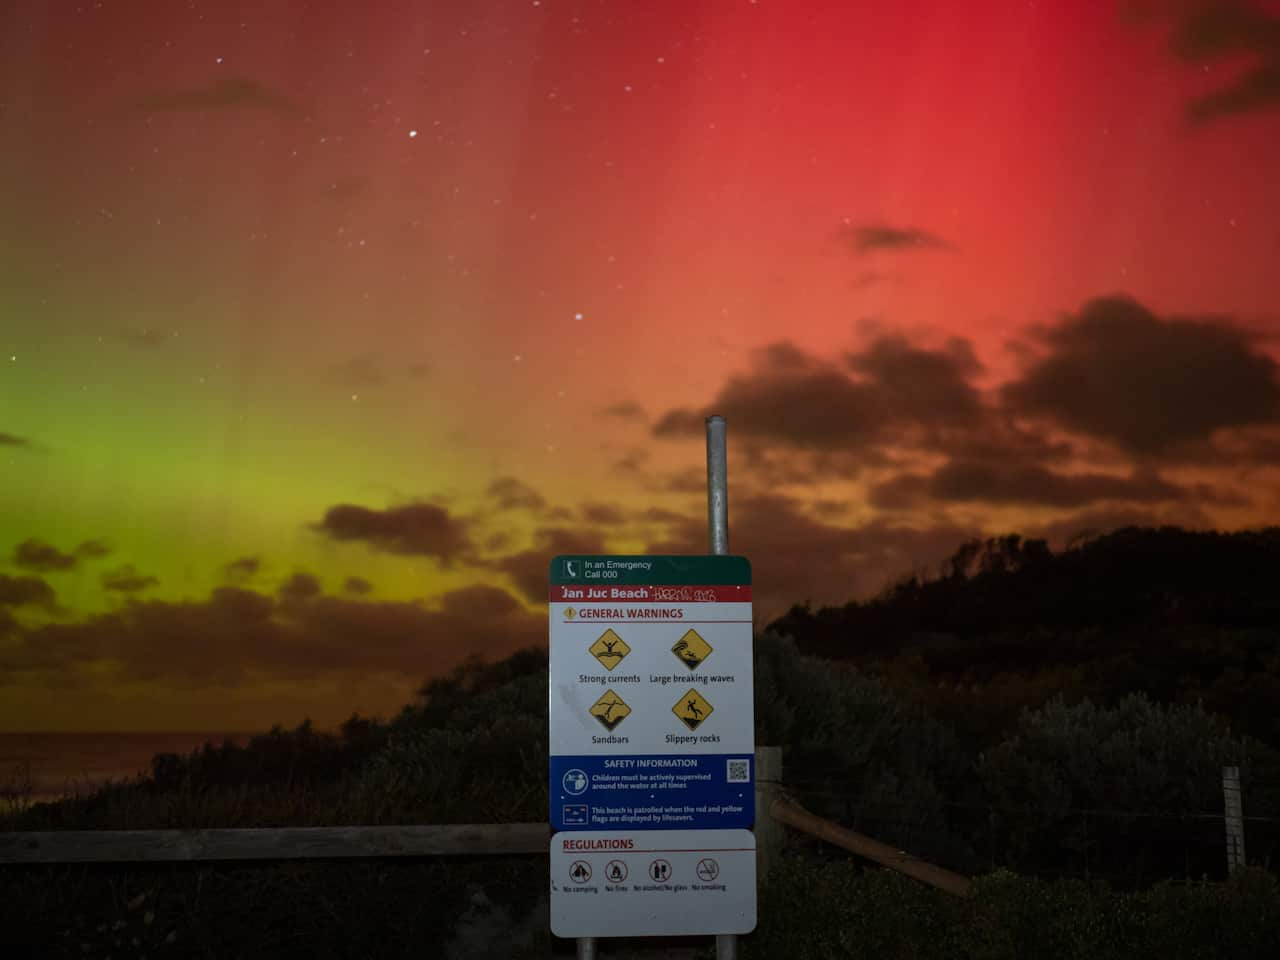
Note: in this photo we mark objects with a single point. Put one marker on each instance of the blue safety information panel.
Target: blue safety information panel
(653, 793)
(651, 696)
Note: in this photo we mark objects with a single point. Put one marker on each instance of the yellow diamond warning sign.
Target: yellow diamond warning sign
(692, 708)
(610, 709)
(609, 649)
(570, 613)
(691, 649)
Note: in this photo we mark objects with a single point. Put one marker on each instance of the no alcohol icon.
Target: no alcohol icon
(659, 871)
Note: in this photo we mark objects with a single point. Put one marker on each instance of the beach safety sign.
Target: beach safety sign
(653, 883)
(652, 724)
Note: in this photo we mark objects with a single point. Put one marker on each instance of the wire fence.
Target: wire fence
(1127, 848)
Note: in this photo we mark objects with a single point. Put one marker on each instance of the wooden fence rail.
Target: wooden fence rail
(470, 839)
(280, 843)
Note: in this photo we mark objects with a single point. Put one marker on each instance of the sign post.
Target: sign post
(652, 741)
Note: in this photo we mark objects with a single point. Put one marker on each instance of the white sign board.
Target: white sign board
(643, 883)
(651, 694)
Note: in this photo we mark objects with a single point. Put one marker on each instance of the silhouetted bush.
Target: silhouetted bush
(839, 909)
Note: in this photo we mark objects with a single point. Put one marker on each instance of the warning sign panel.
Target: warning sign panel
(692, 708)
(640, 883)
(609, 649)
(651, 698)
(692, 649)
(610, 710)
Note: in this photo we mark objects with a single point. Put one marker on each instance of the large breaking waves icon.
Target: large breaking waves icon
(609, 649)
(610, 710)
(691, 649)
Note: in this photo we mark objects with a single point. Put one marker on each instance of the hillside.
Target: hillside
(1180, 615)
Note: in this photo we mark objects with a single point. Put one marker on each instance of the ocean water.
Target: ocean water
(54, 764)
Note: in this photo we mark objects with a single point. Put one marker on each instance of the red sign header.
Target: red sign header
(644, 593)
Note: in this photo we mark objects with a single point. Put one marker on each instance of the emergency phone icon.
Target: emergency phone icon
(569, 569)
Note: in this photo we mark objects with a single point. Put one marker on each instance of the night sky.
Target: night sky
(323, 326)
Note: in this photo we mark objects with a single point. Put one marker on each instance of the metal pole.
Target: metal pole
(717, 486)
(587, 948)
(718, 538)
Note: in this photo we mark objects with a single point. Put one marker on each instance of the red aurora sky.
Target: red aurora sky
(324, 326)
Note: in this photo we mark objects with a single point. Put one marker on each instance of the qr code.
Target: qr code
(739, 771)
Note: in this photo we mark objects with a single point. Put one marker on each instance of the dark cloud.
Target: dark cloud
(362, 371)
(12, 440)
(625, 411)
(1086, 525)
(237, 635)
(93, 549)
(369, 370)
(528, 569)
(508, 493)
(687, 480)
(1151, 386)
(604, 514)
(126, 579)
(224, 93)
(1229, 30)
(632, 462)
(870, 237)
(783, 407)
(795, 556)
(925, 386)
(35, 554)
(25, 592)
(783, 356)
(828, 507)
(794, 400)
(991, 482)
(242, 569)
(300, 587)
(661, 515)
(357, 586)
(497, 541)
(1249, 446)
(144, 336)
(416, 529)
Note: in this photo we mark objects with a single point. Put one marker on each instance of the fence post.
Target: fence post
(769, 833)
(1234, 818)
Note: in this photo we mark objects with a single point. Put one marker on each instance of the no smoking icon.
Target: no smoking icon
(708, 869)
